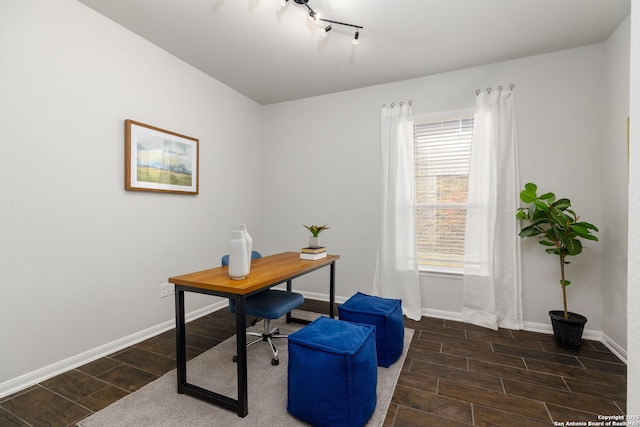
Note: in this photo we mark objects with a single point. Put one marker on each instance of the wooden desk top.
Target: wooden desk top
(265, 271)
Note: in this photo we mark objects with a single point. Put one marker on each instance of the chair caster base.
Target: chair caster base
(274, 362)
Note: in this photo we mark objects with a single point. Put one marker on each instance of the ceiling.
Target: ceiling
(273, 53)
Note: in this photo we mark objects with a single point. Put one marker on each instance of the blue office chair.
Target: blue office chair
(269, 304)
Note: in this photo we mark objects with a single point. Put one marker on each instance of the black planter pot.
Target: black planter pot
(567, 332)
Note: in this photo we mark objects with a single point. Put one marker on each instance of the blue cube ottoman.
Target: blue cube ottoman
(383, 313)
(332, 373)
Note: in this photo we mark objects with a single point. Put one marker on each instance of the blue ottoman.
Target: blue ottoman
(383, 313)
(333, 373)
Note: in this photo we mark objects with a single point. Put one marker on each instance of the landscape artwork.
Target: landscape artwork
(160, 160)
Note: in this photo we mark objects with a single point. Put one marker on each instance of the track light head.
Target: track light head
(316, 16)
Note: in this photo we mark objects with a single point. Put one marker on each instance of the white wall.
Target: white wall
(331, 147)
(613, 231)
(81, 258)
(633, 302)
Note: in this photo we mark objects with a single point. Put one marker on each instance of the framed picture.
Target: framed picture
(159, 160)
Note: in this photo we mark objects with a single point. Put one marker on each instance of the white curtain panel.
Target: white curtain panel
(396, 274)
(492, 284)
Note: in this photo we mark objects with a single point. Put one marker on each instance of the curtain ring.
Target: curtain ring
(500, 87)
(477, 92)
(410, 102)
(511, 86)
(392, 104)
(489, 90)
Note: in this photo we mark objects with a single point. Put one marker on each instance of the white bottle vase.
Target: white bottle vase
(238, 260)
(247, 237)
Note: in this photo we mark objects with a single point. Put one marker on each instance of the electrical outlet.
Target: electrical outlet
(172, 288)
(165, 290)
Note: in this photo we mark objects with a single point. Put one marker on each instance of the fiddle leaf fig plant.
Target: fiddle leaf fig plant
(556, 226)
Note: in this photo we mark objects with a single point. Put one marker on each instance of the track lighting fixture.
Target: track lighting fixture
(315, 15)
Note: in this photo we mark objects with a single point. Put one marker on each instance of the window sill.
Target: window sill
(446, 272)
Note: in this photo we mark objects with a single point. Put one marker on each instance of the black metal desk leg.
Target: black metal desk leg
(181, 345)
(241, 351)
(332, 288)
(289, 288)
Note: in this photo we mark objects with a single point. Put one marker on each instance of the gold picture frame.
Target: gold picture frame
(160, 160)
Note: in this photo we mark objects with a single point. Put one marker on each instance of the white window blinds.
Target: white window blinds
(442, 153)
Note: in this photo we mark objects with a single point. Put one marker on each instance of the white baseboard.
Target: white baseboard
(440, 314)
(588, 334)
(321, 297)
(39, 375)
(27, 380)
(615, 348)
(544, 328)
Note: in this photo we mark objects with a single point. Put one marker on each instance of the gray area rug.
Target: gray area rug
(158, 403)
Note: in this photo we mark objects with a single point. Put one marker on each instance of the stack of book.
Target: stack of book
(313, 254)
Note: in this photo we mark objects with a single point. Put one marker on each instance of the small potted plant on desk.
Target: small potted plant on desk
(559, 229)
(314, 240)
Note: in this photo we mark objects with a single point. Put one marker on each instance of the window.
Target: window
(442, 153)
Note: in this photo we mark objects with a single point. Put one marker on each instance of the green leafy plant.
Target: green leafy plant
(315, 229)
(556, 226)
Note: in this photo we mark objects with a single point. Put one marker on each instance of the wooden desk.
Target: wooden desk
(265, 272)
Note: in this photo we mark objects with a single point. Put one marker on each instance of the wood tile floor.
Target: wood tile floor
(455, 374)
